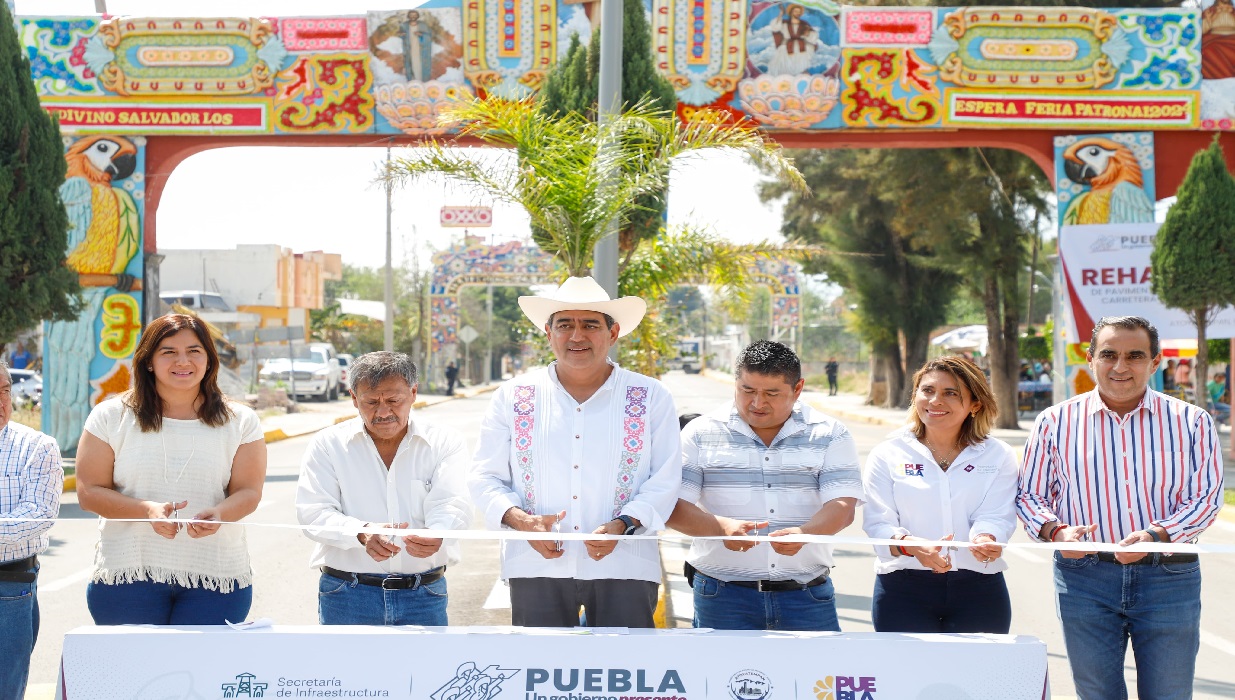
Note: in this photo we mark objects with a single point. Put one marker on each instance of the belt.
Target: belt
(778, 586)
(1151, 559)
(393, 582)
(19, 571)
(22, 565)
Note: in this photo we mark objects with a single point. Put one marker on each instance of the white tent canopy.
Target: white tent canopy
(375, 310)
(963, 338)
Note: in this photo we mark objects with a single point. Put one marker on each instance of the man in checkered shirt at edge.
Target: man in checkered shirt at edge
(31, 479)
(765, 464)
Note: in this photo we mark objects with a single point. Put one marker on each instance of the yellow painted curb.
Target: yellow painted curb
(344, 419)
(659, 618)
(276, 435)
(70, 483)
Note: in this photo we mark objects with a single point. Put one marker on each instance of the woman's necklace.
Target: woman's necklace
(192, 449)
(943, 463)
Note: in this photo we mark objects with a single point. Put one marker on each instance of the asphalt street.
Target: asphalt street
(285, 587)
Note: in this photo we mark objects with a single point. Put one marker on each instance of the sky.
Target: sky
(324, 198)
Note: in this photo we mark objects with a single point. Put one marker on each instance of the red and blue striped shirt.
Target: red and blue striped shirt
(1160, 464)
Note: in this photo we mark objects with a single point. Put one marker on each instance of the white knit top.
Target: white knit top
(186, 460)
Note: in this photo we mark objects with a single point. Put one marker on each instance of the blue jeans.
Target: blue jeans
(19, 622)
(1103, 604)
(344, 602)
(151, 603)
(724, 606)
(962, 601)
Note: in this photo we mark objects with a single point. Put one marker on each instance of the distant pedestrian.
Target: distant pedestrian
(452, 376)
(1183, 374)
(21, 358)
(1124, 464)
(831, 369)
(31, 479)
(1217, 392)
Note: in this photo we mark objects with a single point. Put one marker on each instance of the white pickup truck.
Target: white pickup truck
(318, 376)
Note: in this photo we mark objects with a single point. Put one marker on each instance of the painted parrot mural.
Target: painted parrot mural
(104, 239)
(1117, 192)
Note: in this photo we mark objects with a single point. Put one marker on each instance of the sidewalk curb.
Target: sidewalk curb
(278, 434)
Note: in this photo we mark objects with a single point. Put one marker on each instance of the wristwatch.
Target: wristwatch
(629, 522)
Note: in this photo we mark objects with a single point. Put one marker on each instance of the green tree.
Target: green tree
(34, 282)
(573, 85)
(981, 216)
(574, 176)
(900, 285)
(912, 230)
(1194, 251)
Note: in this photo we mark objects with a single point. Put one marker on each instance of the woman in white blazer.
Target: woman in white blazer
(942, 477)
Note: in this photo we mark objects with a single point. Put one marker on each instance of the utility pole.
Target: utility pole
(605, 254)
(487, 375)
(388, 340)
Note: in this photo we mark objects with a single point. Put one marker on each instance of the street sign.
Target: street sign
(467, 334)
(266, 352)
(470, 217)
(274, 334)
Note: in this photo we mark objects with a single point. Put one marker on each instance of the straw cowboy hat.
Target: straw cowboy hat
(584, 294)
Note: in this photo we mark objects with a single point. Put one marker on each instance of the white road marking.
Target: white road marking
(1223, 525)
(61, 583)
(1026, 555)
(499, 597)
(1217, 642)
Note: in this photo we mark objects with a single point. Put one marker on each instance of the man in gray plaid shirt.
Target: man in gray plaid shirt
(31, 479)
(765, 464)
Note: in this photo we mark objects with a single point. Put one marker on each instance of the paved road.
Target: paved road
(285, 588)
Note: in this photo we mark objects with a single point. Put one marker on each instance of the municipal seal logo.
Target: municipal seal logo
(750, 685)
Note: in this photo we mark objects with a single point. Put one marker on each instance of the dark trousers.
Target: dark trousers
(450, 386)
(555, 602)
(832, 385)
(924, 601)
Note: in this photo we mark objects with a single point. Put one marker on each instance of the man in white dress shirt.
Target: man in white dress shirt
(383, 469)
(581, 446)
(765, 464)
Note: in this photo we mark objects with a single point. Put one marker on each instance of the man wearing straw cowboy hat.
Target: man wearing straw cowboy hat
(581, 446)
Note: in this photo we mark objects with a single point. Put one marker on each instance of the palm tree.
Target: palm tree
(574, 177)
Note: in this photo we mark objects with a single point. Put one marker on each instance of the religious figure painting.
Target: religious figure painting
(1217, 64)
(789, 38)
(416, 46)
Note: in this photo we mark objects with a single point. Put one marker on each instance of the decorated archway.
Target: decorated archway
(471, 262)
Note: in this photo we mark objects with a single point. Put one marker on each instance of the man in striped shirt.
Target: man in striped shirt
(30, 483)
(766, 464)
(1124, 464)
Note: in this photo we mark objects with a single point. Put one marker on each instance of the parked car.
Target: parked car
(27, 387)
(196, 300)
(345, 362)
(317, 376)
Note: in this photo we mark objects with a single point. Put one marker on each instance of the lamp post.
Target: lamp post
(605, 254)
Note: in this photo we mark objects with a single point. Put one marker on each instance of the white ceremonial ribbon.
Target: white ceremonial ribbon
(1171, 547)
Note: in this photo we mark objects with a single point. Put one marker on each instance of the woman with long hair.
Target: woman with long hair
(172, 447)
(942, 477)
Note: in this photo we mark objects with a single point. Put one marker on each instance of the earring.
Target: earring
(973, 415)
(149, 368)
